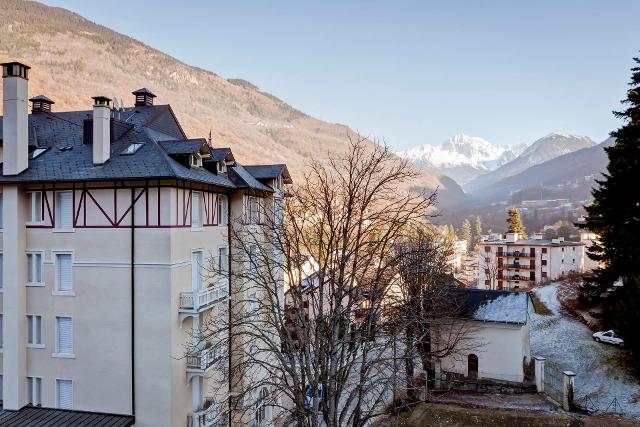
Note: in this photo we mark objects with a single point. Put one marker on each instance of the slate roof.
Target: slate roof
(531, 242)
(219, 154)
(269, 172)
(48, 417)
(486, 305)
(68, 159)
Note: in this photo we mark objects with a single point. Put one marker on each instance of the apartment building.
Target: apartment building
(108, 219)
(515, 263)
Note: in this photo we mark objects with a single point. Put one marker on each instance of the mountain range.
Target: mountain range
(463, 157)
(73, 59)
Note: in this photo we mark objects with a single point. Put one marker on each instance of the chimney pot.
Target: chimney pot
(143, 97)
(40, 103)
(101, 130)
(15, 129)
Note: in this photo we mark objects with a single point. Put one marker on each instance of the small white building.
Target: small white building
(497, 344)
(515, 263)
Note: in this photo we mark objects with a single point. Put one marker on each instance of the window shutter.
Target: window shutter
(65, 394)
(65, 335)
(1, 266)
(65, 210)
(65, 272)
(245, 209)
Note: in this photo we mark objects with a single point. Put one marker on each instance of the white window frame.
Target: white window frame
(34, 208)
(1, 334)
(197, 195)
(58, 354)
(223, 268)
(34, 391)
(1, 271)
(58, 215)
(32, 253)
(35, 330)
(223, 214)
(56, 392)
(257, 218)
(56, 289)
(1, 216)
(221, 167)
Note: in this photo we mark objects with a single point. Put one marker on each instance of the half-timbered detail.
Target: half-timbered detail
(109, 217)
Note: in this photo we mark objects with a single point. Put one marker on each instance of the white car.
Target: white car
(608, 337)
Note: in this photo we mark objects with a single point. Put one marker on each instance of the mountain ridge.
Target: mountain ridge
(73, 59)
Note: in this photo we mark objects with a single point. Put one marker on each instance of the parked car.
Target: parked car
(609, 337)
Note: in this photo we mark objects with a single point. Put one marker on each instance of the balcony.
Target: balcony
(209, 417)
(520, 266)
(519, 279)
(516, 254)
(195, 302)
(199, 362)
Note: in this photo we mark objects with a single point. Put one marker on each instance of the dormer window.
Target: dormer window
(131, 149)
(222, 167)
(41, 103)
(195, 160)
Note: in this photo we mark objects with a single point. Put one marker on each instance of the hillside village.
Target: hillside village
(183, 249)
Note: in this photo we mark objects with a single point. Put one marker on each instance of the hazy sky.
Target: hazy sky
(408, 72)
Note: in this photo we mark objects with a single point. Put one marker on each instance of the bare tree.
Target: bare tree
(491, 270)
(318, 356)
(430, 309)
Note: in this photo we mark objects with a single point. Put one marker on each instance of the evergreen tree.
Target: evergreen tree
(451, 233)
(614, 216)
(477, 231)
(514, 223)
(465, 232)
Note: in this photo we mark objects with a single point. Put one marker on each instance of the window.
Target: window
(544, 250)
(195, 160)
(34, 268)
(253, 262)
(261, 407)
(223, 260)
(64, 210)
(64, 394)
(1, 268)
(64, 273)
(222, 167)
(544, 262)
(1, 333)
(196, 209)
(37, 207)
(0, 211)
(253, 304)
(222, 210)
(34, 388)
(487, 248)
(544, 274)
(64, 335)
(34, 330)
(196, 270)
(254, 210)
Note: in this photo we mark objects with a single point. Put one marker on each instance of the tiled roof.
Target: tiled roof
(70, 159)
(269, 172)
(48, 417)
(491, 306)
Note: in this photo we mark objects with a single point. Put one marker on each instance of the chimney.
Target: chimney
(101, 130)
(15, 124)
(143, 97)
(41, 104)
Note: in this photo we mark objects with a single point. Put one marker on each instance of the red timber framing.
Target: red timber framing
(108, 204)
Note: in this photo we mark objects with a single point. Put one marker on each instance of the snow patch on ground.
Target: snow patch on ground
(569, 344)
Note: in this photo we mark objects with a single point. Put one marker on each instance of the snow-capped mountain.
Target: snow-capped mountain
(463, 157)
(545, 148)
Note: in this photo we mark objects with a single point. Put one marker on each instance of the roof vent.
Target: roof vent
(40, 104)
(143, 97)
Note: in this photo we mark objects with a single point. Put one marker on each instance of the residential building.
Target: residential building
(515, 263)
(109, 218)
(496, 330)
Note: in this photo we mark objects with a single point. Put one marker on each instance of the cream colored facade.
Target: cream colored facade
(135, 295)
(513, 263)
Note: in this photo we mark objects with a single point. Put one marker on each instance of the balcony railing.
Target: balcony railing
(520, 278)
(205, 358)
(209, 417)
(521, 266)
(516, 254)
(204, 298)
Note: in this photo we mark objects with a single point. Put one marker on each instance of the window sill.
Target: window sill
(63, 355)
(64, 293)
(35, 223)
(35, 345)
(199, 228)
(35, 285)
(64, 230)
